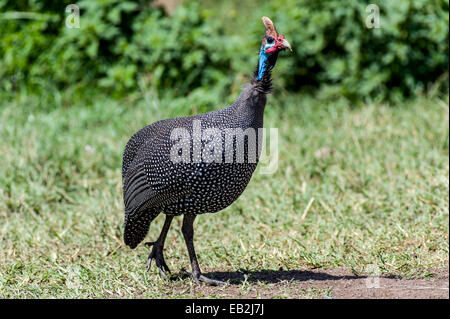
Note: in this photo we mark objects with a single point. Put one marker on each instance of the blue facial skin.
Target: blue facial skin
(263, 56)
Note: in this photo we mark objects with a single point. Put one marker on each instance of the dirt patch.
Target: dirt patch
(319, 283)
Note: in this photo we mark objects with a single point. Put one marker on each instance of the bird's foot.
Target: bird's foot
(212, 282)
(157, 255)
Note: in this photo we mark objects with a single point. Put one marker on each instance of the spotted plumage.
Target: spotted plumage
(155, 181)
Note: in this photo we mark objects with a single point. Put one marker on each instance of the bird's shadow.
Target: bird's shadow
(276, 276)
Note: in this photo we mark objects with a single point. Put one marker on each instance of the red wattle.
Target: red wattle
(271, 50)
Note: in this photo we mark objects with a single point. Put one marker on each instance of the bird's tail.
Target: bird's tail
(137, 223)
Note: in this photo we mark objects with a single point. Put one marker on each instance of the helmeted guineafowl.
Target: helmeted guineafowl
(190, 165)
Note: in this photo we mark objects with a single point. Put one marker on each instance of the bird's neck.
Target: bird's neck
(249, 107)
(262, 79)
(252, 101)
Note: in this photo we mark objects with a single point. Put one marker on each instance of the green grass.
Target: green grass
(378, 189)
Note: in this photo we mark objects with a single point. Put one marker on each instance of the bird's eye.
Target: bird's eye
(269, 40)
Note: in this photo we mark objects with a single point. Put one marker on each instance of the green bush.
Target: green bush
(133, 46)
(27, 29)
(120, 46)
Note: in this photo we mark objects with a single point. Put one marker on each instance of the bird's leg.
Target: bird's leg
(157, 249)
(188, 233)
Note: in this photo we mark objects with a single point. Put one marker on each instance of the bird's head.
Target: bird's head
(272, 43)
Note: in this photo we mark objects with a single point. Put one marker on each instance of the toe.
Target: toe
(211, 282)
(149, 263)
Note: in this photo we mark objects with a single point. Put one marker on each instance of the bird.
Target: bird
(196, 164)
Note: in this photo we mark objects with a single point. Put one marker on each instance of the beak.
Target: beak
(285, 44)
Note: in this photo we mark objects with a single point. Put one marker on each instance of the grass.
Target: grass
(354, 187)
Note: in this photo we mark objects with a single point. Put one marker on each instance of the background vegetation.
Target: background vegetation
(128, 46)
(363, 128)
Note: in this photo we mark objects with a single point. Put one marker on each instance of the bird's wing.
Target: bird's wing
(139, 191)
(133, 146)
(143, 202)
